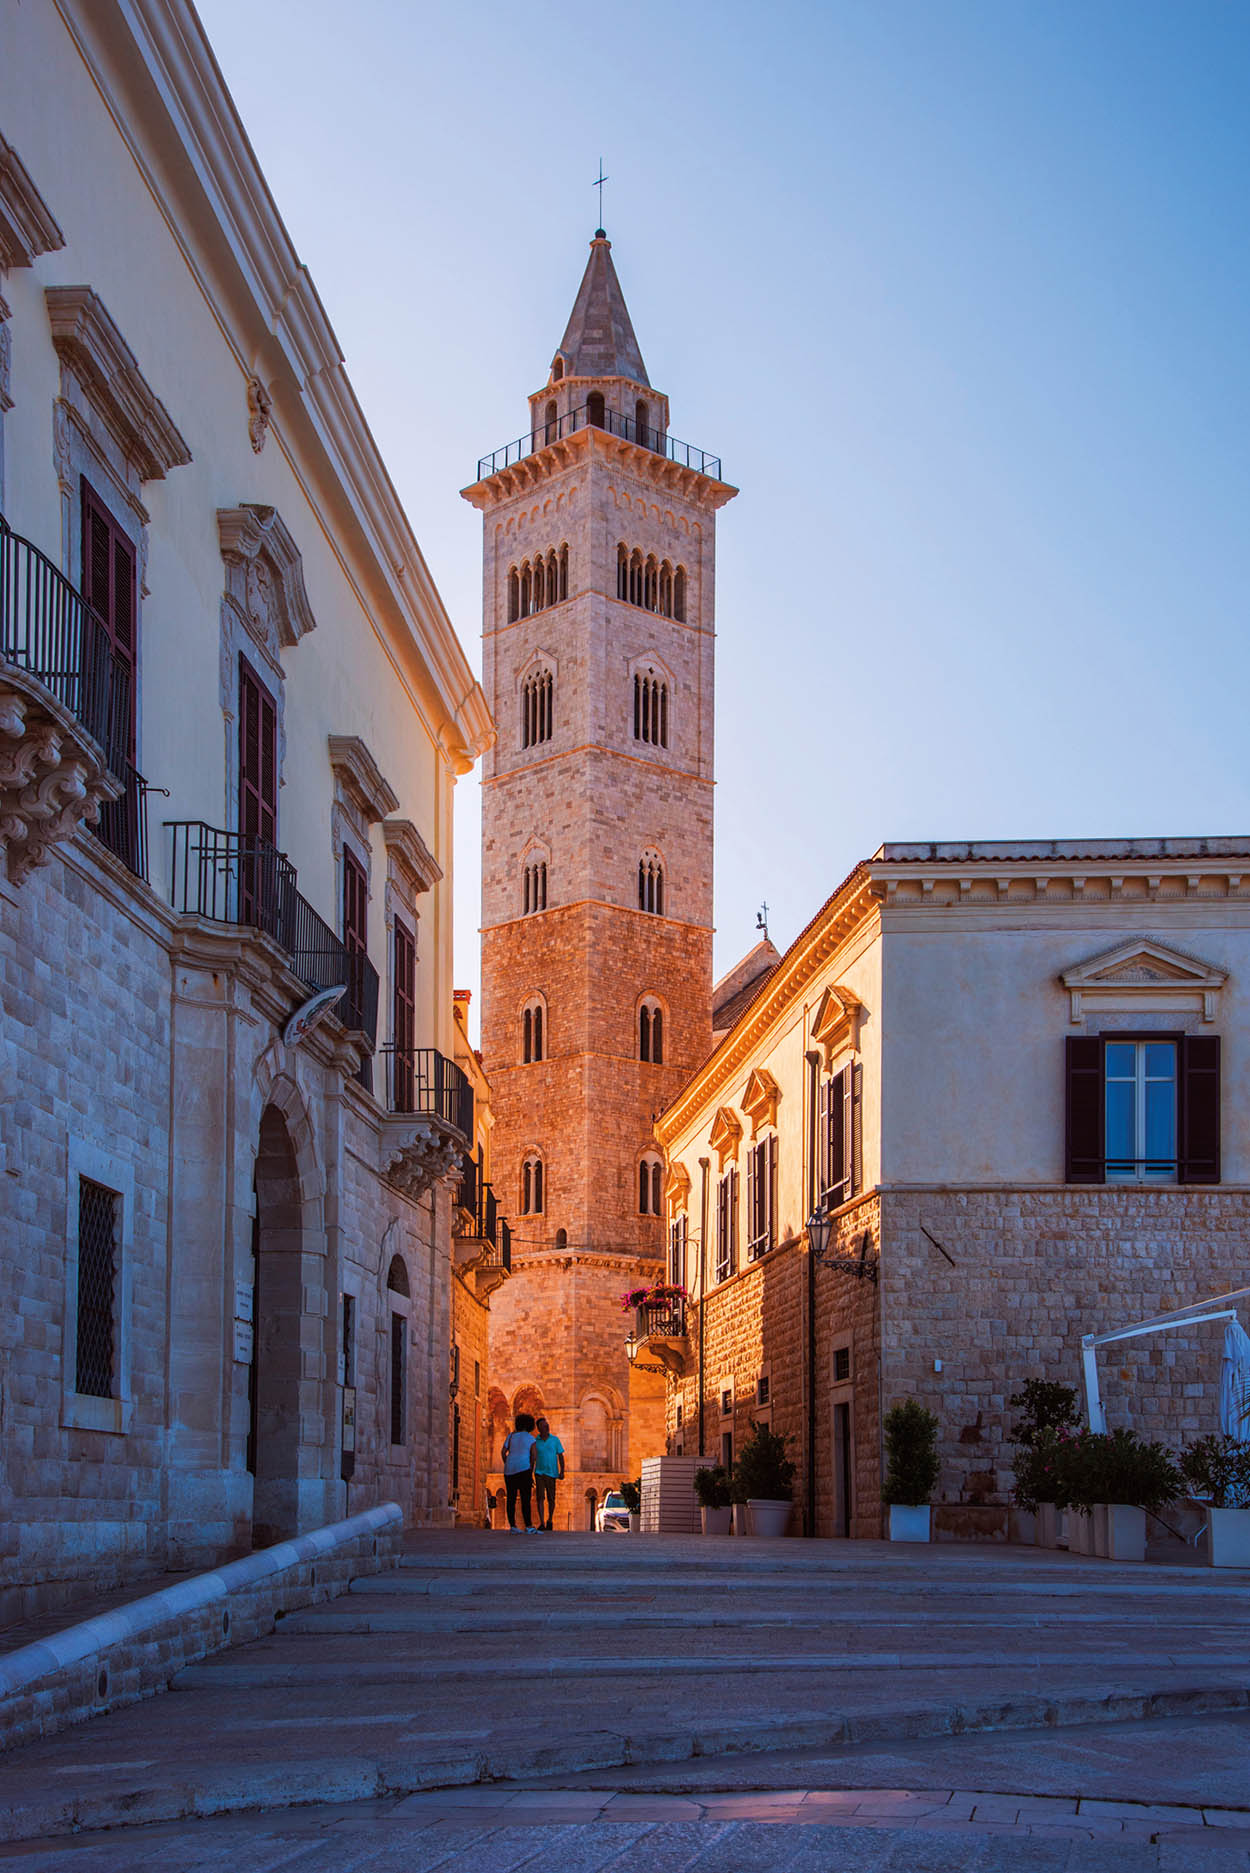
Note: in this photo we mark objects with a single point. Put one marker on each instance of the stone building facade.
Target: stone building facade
(232, 714)
(599, 564)
(1013, 1079)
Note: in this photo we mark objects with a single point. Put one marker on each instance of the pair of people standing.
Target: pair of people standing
(531, 1454)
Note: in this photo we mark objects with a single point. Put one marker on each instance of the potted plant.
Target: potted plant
(912, 1469)
(1046, 1408)
(632, 1492)
(1108, 1482)
(740, 1523)
(764, 1478)
(1217, 1472)
(711, 1486)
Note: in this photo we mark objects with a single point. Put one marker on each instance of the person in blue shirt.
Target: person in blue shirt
(548, 1465)
(518, 1470)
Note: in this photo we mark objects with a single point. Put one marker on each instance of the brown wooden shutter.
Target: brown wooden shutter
(1199, 1114)
(109, 588)
(1083, 1110)
(771, 1222)
(258, 758)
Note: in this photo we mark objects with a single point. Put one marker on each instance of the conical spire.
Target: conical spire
(599, 340)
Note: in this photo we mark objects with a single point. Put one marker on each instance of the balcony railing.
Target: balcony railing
(501, 1255)
(664, 1320)
(231, 877)
(657, 440)
(421, 1080)
(477, 1200)
(48, 630)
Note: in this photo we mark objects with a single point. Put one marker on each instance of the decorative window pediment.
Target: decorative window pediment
(725, 1135)
(411, 854)
(27, 225)
(360, 777)
(835, 1025)
(1145, 975)
(96, 356)
(677, 1184)
(759, 1098)
(264, 578)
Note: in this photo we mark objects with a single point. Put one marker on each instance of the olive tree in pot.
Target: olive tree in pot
(711, 1486)
(1107, 1481)
(764, 1478)
(1217, 1472)
(632, 1495)
(912, 1468)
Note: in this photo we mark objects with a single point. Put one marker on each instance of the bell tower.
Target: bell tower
(598, 635)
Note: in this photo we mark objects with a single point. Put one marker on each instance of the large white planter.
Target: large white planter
(741, 1519)
(635, 1521)
(909, 1522)
(768, 1518)
(1046, 1526)
(1228, 1537)
(1080, 1532)
(715, 1521)
(1125, 1531)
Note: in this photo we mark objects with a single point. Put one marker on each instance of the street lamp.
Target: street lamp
(819, 1231)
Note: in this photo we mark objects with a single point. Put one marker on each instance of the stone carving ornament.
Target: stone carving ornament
(418, 1155)
(259, 405)
(52, 779)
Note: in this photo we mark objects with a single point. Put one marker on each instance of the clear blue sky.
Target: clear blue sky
(960, 291)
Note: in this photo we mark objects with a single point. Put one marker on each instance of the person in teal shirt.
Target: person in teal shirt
(548, 1465)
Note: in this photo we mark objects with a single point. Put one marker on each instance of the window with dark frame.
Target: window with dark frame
(109, 588)
(727, 1224)
(677, 1243)
(532, 1036)
(532, 1187)
(761, 1196)
(1142, 1108)
(651, 884)
(96, 1310)
(399, 1379)
(651, 709)
(404, 1015)
(649, 1186)
(534, 887)
(841, 1364)
(537, 698)
(835, 1139)
(258, 801)
(651, 1033)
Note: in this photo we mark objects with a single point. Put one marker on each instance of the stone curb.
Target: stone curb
(272, 1786)
(119, 1657)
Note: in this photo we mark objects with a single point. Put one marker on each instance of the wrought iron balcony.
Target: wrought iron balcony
(684, 454)
(230, 877)
(663, 1319)
(420, 1080)
(477, 1203)
(67, 714)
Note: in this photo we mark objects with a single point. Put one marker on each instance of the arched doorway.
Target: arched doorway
(592, 1503)
(274, 1381)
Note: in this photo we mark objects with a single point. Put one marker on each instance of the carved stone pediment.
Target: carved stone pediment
(759, 1098)
(835, 1024)
(95, 355)
(1143, 974)
(411, 854)
(53, 776)
(677, 1184)
(360, 778)
(264, 577)
(725, 1135)
(416, 1154)
(27, 225)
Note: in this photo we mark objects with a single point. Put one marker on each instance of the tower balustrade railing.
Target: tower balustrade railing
(684, 454)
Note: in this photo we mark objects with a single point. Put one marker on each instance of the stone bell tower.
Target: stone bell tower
(598, 592)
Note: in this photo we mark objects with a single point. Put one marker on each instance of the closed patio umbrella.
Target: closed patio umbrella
(1235, 1383)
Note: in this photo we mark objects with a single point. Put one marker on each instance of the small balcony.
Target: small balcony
(232, 878)
(484, 1241)
(430, 1104)
(658, 441)
(65, 719)
(660, 1333)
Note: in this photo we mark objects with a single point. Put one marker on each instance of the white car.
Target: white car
(612, 1517)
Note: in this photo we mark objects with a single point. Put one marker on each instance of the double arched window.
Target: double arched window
(651, 1032)
(650, 1173)
(537, 583)
(650, 708)
(651, 883)
(651, 583)
(533, 1037)
(534, 886)
(537, 698)
(532, 1193)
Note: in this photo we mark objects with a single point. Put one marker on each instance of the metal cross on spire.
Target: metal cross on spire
(598, 183)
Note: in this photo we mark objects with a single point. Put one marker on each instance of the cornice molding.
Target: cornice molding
(360, 777)
(91, 347)
(28, 227)
(578, 449)
(410, 851)
(1143, 973)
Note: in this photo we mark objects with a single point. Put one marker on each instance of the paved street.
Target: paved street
(668, 1704)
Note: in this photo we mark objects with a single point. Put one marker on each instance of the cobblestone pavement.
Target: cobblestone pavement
(670, 1704)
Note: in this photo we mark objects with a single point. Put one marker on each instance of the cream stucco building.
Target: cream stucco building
(232, 714)
(1014, 1077)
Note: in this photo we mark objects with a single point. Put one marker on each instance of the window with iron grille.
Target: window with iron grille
(761, 1196)
(841, 1364)
(399, 1379)
(763, 1390)
(727, 1225)
(96, 1363)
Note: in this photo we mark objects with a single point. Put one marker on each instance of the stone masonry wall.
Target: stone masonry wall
(470, 1328)
(1033, 1270)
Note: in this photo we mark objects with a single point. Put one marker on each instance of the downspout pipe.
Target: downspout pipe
(813, 1082)
(705, 1167)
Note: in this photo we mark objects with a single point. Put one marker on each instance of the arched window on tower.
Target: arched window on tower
(635, 578)
(534, 886)
(557, 370)
(651, 883)
(536, 708)
(550, 432)
(649, 1178)
(642, 424)
(622, 572)
(594, 409)
(532, 1193)
(651, 585)
(526, 589)
(679, 594)
(564, 571)
(650, 708)
(514, 596)
(651, 1032)
(554, 593)
(666, 590)
(532, 1036)
(540, 583)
